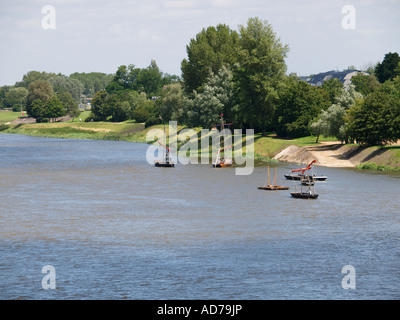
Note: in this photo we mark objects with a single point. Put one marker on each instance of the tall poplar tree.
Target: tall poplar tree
(260, 70)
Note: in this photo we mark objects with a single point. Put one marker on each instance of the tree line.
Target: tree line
(47, 95)
(240, 74)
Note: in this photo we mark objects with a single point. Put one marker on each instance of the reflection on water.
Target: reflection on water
(115, 227)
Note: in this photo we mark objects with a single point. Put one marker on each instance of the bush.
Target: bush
(94, 117)
(3, 127)
(151, 122)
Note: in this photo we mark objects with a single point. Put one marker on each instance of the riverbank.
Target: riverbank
(302, 151)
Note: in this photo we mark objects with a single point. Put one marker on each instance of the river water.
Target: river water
(115, 227)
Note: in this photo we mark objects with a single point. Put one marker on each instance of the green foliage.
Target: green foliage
(389, 68)
(3, 127)
(299, 104)
(15, 98)
(332, 122)
(100, 108)
(145, 111)
(376, 167)
(33, 76)
(37, 110)
(54, 108)
(207, 53)
(333, 87)
(148, 80)
(39, 93)
(260, 70)
(62, 83)
(93, 81)
(152, 121)
(171, 102)
(375, 120)
(365, 84)
(70, 105)
(217, 97)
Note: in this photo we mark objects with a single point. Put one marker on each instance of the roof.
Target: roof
(343, 76)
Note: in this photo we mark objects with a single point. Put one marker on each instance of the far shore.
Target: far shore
(327, 152)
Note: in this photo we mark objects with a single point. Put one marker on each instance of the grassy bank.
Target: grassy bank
(265, 148)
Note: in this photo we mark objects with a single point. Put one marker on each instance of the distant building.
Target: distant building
(343, 76)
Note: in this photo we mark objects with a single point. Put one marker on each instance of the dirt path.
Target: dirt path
(324, 153)
(327, 156)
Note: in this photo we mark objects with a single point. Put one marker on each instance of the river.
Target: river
(115, 227)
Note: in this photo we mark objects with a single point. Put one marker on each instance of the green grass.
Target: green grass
(8, 116)
(265, 148)
(79, 130)
(375, 167)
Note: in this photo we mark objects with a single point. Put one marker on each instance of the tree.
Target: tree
(93, 81)
(332, 122)
(69, 104)
(38, 90)
(389, 68)
(224, 88)
(37, 110)
(33, 76)
(207, 53)
(99, 105)
(261, 68)
(61, 83)
(375, 121)
(365, 84)
(171, 102)
(217, 97)
(145, 111)
(16, 98)
(333, 87)
(149, 80)
(121, 111)
(299, 103)
(54, 108)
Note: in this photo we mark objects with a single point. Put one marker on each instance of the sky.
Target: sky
(99, 36)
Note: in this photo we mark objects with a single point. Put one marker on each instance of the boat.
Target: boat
(304, 195)
(272, 187)
(298, 176)
(220, 161)
(307, 180)
(301, 176)
(167, 161)
(307, 190)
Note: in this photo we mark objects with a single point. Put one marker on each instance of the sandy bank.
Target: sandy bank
(336, 155)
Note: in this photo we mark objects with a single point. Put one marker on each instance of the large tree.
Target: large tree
(33, 76)
(389, 68)
(61, 83)
(333, 121)
(207, 53)
(93, 81)
(299, 103)
(260, 70)
(365, 84)
(39, 92)
(16, 98)
(376, 119)
(69, 104)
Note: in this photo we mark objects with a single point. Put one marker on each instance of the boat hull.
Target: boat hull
(298, 177)
(164, 165)
(273, 188)
(221, 165)
(304, 195)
